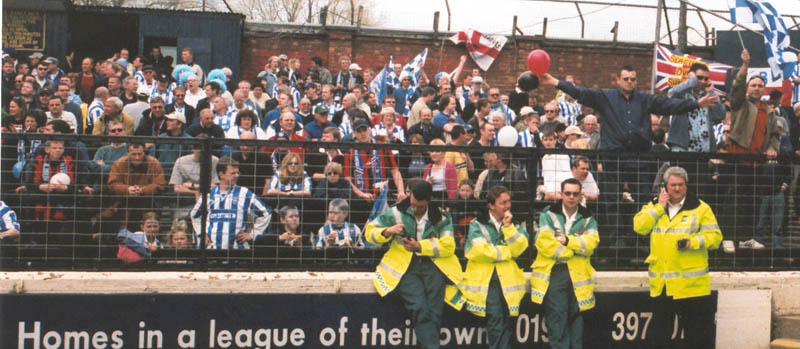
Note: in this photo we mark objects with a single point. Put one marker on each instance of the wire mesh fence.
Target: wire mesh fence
(148, 203)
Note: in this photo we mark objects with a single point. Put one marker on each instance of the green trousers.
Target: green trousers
(422, 290)
(498, 321)
(564, 319)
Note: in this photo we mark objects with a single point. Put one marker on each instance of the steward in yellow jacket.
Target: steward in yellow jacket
(420, 261)
(562, 277)
(682, 228)
(494, 284)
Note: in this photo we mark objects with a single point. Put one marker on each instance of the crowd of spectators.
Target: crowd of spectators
(322, 194)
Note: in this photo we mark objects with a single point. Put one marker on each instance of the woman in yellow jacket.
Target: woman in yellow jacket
(562, 277)
(494, 284)
(682, 229)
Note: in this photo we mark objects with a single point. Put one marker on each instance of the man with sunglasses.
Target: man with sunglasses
(693, 131)
(563, 278)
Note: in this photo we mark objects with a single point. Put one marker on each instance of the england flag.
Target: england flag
(482, 48)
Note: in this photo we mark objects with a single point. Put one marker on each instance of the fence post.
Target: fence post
(205, 184)
(532, 169)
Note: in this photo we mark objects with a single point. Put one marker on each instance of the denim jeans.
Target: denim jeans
(770, 217)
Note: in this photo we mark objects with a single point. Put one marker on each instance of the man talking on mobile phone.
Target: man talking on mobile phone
(420, 262)
(682, 229)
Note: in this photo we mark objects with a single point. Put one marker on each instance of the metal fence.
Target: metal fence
(77, 226)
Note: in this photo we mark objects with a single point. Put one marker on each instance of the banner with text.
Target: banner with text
(621, 320)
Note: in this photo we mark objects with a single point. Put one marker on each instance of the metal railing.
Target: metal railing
(78, 229)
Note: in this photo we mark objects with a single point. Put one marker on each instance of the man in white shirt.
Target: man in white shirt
(57, 112)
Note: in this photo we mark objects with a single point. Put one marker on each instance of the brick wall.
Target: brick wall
(593, 64)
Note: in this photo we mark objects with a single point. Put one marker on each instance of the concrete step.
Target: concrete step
(787, 327)
(785, 343)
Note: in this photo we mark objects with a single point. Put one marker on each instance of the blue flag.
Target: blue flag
(414, 68)
(776, 35)
(381, 204)
(378, 85)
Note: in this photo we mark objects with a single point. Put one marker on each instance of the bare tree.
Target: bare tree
(305, 11)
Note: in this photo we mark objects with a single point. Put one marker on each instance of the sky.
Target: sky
(496, 16)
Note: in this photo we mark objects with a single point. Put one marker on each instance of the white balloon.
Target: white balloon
(60, 178)
(507, 137)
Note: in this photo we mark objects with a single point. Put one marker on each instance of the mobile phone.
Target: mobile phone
(683, 243)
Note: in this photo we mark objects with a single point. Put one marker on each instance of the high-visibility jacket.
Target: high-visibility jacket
(684, 273)
(437, 243)
(488, 251)
(582, 240)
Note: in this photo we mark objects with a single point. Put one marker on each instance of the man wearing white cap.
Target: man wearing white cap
(167, 153)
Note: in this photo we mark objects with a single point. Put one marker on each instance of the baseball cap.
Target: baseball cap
(527, 110)
(283, 57)
(177, 116)
(359, 124)
(321, 109)
(310, 85)
(162, 77)
(573, 130)
(51, 60)
(37, 55)
(477, 80)
(354, 66)
(147, 67)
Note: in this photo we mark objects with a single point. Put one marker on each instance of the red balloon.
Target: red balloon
(538, 62)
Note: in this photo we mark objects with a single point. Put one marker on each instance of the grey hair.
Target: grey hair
(117, 102)
(796, 106)
(676, 171)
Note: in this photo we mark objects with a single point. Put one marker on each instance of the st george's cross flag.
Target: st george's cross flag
(482, 48)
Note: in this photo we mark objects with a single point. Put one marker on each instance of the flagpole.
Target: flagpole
(655, 47)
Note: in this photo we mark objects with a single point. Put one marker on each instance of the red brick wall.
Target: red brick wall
(594, 64)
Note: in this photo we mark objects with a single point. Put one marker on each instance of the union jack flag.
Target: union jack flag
(672, 68)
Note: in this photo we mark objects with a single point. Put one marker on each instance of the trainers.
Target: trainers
(727, 246)
(751, 244)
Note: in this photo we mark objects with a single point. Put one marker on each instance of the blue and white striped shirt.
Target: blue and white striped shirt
(225, 120)
(275, 183)
(526, 139)
(719, 132)
(94, 112)
(8, 218)
(347, 232)
(397, 132)
(138, 76)
(167, 95)
(227, 216)
(569, 112)
(796, 88)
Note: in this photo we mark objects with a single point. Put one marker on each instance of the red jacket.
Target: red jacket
(450, 178)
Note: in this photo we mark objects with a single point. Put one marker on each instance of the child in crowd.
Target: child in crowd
(337, 232)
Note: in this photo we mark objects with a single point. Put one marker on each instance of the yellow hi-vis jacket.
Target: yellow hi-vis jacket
(582, 240)
(488, 250)
(437, 243)
(684, 273)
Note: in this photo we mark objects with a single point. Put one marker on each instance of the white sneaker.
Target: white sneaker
(751, 244)
(727, 246)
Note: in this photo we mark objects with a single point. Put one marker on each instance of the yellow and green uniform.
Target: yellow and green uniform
(562, 277)
(683, 273)
(493, 277)
(421, 278)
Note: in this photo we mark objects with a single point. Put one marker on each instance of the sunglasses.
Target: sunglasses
(702, 78)
(629, 79)
(571, 193)
(294, 163)
(550, 111)
(494, 94)
(176, 96)
(157, 107)
(115, 130)
(332, 173)
(17, 81)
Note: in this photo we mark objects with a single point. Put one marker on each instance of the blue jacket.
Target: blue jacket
(626, 123)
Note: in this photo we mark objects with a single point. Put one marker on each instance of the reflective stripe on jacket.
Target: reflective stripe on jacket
(488, 251)
(437, 243)
(582, 240)
(684, 273)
